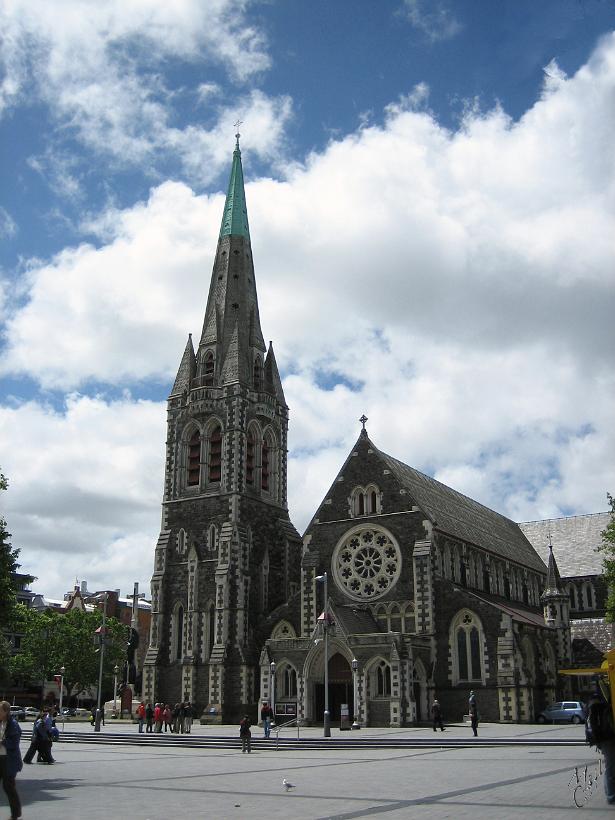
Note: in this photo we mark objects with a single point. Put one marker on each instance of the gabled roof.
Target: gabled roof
(457, 515)
(355, 620)
(575, 541)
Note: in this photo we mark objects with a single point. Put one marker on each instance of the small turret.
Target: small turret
(186, 371)
(556, 604)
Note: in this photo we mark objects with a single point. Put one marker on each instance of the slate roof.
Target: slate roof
(354, 620)
(575, 540)
(457, 515)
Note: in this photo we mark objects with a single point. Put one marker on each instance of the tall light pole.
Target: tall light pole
(62, 671)
(272, 670)
(327, 716)
(355, 677)
(103, 630)
(116, 669)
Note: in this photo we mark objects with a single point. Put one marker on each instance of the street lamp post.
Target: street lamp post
(116, 670)
(103, 630)
(355, 676)
(62, 671)
(327, 716)
(272, 670)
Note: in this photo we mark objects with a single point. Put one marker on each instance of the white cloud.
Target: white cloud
(8, 226)
(99, 68)
(84, 489)
(433, 18)
(458, 287)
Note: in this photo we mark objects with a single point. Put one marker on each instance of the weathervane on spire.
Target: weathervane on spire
(237, 135)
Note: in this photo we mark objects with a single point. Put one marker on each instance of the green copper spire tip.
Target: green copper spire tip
(235, 215)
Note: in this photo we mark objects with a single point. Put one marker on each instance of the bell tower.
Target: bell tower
(227, 554)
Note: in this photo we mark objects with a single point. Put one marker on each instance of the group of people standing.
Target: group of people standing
(177, 719)
(436, 714)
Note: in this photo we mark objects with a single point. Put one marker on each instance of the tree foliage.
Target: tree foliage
(52, 640)
(8, 568)
(608, 548)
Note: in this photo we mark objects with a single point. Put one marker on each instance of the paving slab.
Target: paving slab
(153, 783)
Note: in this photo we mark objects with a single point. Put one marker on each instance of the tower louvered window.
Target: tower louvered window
(194, 459)
(250, 459)
(265, 466)
(258, 373)
(215, 455)
(208, 370)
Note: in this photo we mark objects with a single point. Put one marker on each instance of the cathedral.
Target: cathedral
(412, 590)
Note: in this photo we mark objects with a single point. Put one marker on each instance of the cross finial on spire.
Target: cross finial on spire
(237, 135)
(363, 419)
(550, 542)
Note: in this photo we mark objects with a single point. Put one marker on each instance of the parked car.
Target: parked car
(570, 711)
(31, 711)
(18, 712)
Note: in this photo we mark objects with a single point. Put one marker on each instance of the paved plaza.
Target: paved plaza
(151, 782)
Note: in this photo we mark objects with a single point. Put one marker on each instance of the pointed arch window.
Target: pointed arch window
(466, 642)
(258, 373)
(572, 594)
(250, 451)
(215, 454)
(194, 459)
(209, 369)
(212, 537)
(265, 457)
(177, 633)
(382, 680)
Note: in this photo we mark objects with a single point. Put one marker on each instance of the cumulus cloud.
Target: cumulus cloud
(84, 488)
(98, 67)
(455, 286)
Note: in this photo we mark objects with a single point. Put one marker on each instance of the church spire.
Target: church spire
(235, 215)
(231, 331)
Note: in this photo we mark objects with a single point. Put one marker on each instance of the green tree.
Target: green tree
(608, 548)
(8, 568)
(53, 640)
(8, 586)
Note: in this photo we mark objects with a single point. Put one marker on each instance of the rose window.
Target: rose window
(366, 563)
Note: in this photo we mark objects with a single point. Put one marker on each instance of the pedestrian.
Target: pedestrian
(436, 714)
(187, 717)
(473, 710)
(141, 716)
(600, 732)
(10, 757)
(245, 734)
(158, 717)
(181, 718)
(41, 739)
(266, 717)
(167, 717)
(149, 717)
(175, 718)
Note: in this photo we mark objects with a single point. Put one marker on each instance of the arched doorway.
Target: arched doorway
(340, 689)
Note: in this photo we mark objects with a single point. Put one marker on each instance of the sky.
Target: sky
(431, 193)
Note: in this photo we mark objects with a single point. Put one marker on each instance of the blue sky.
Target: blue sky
(430, 188)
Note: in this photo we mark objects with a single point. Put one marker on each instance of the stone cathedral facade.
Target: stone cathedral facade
(429, 592)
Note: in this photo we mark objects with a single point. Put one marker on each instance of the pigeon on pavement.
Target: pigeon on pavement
(288, 786)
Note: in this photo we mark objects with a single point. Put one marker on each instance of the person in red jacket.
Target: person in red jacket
(141, 715)
(158, 717)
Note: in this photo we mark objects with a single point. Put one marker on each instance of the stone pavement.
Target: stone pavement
(155, 783)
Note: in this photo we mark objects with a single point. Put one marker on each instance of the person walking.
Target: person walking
(473, 710)
(187, 717)
(436, 715)
(266, 717)
(245, 734)
(149, 718)
(10, 757)
(141, 716)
